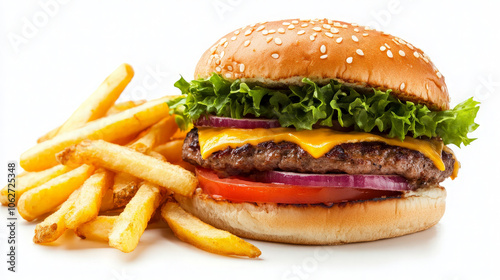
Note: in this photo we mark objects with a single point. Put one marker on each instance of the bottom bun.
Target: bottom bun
(321, 225)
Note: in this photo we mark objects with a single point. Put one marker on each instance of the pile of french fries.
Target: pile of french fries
(107, 171)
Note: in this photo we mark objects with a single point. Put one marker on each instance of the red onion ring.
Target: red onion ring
(214, 121)
(359, 181)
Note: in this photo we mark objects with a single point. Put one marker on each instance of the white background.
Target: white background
(52, 58)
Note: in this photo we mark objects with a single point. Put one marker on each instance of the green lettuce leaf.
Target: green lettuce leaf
(304, 106)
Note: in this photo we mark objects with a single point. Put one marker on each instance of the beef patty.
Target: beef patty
(350, 158)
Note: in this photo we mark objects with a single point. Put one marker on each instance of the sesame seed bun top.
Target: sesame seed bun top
(282, 52)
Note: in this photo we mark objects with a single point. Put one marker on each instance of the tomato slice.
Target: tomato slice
(238, 189)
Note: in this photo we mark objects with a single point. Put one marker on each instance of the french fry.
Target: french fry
(101, 100)
(172, 151)
(30, 180)
(124, 188)
(98, 229)
(122, 106)
(107, 201)
(117, 108)
(156, 134)
(157, 156)
(87, 205)
(48, 196)
(122, 159)
(126, 123)
(49, 135)
(180, 134)
(192, 230)
(132, 222)
(54, 225)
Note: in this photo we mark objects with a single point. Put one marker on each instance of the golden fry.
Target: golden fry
(87, 205)
(117, 108)
(30, 180)
(48, 196)
(101, 100)
(126, 123)
(98, 229)
(132, 222)
(172, 151)
(122, 106)
(192, 230)
(54, 225)
(124, 188)
(122, 159)
(156, 134)
(107, 201)
(49, 135)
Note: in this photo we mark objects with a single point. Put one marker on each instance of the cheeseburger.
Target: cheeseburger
(319, 132)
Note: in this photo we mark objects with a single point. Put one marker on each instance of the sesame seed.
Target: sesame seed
(409, 46)
(439, 74)
(286, 23)
(230, 68)
(344, 26)
(281, 30)
(329, 34)
(334, 30)
(312, 37)
(360, 52)
(253, 24)
(222, 54)
(329, 21)
(323, 56)
(217, 69)
(402, 86)
(416, 54)
(272, 31)
(269, 39)
(247, 43)
(228, 75)
(401, 53)
(354, 38)
(327, 26)
(425, 59)
(291, 26)
(295, 21)
(222, 41)
(278, 41)
(213, 49)
(275, 55)
(339, 40)
(265, 32)
(301, 32)
(443, 88)
(356, 29)
(389, 54)
(317, 28)
(367, 28)
(248, 32)
(349, 60)
(236, 32)
(233, 38)
(242, 67)
(304, 25)
(337, 24)
(382, 48)
(322, 49)
(225, 44)
(260, 28)
(387, 45)
(365, 34)
(354, 24)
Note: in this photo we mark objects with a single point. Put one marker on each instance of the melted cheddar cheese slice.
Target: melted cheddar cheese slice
(317, 142)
